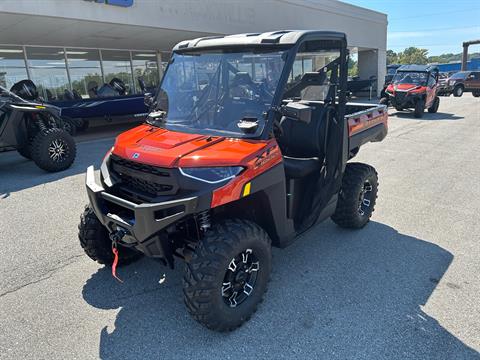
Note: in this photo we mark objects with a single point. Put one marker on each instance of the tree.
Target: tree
(413, 55)
(392, 57)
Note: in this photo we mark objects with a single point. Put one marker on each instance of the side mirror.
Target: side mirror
(297, 111)
(148, 100)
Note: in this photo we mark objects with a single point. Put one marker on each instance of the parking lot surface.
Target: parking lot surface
(405, 287)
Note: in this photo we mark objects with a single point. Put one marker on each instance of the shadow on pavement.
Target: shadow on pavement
(426, 116)
(340, 294)
(18, 173)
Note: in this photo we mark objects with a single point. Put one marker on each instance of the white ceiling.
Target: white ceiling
(41, 30)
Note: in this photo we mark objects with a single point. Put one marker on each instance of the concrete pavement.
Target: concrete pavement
(404, 287)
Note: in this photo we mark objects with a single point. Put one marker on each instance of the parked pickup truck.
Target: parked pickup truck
(463, 81)
(241, 157)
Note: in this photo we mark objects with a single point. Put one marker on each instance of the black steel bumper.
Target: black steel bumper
(140, 222)
(403, 99)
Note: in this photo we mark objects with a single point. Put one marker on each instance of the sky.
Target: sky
(440, 26)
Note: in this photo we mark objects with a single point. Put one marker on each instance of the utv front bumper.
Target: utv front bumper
(403, 99)
(139, 222)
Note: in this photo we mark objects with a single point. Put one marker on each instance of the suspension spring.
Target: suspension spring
(41, 125)
(204, 220)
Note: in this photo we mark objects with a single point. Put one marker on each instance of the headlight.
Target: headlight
(451, 82)
(212, 175)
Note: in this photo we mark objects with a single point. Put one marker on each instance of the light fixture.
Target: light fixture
(74, 52)
(12, 51)
(145, 55)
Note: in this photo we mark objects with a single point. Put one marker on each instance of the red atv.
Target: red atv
(238, 154)
(414, 87)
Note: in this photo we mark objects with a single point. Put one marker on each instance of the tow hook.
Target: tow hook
(116, 236)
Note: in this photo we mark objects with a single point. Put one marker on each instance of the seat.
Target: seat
(302, 144)
(296, 168)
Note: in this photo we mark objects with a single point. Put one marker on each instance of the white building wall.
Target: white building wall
(364, 28)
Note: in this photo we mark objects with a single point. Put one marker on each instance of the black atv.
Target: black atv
(36, 131)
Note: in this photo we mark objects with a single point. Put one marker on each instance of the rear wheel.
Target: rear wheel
(69, 125)
(434, 108)
(476, 93)
(53, 150)
(357, 197)
(228, 274)
(458, 91)
(25, 151)
(419, 108)
(96, 243)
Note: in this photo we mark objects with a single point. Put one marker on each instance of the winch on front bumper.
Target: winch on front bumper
(142, 224)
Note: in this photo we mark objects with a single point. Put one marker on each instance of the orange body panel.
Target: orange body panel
(261, 161)
(164, 148)
(366, 121)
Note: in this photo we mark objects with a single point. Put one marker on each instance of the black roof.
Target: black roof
(281, 37)
(418, 68)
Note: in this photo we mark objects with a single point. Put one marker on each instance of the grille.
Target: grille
(400, 96)
(145, 178)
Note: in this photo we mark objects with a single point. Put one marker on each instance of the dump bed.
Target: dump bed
(366, 123)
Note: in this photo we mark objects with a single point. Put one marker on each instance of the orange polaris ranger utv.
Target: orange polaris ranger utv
(245, 147)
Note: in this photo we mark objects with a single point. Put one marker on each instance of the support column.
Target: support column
(373, 63)
(465, 56)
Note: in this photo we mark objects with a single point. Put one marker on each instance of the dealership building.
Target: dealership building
(76, 44)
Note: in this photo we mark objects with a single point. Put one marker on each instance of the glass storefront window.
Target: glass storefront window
(145, 68)
(116, 65)
(85, 72)
(49, 73)
(12, 65)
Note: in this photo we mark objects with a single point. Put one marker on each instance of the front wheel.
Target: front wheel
(476, 93)
(356, 201)
(53, 150)
(383, 101)
(434, 108)
(227, 276)
(458, 91)
(96, 243)
(419, 108)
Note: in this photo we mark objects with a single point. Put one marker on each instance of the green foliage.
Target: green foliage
(392, 57)
(352, 67)
(446, 58)
(413, 55)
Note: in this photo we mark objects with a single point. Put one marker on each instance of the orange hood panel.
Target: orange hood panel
(164, 148)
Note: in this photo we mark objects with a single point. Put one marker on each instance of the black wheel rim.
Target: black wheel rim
(365, 198)
(58, 150)
(240, 278)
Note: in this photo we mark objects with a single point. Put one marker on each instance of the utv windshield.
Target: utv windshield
(209, 92)
(410, 77)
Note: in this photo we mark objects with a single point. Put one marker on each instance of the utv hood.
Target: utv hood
(159, 147)
(406, 87)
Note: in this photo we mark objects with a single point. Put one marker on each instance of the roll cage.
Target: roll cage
(291, 42)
